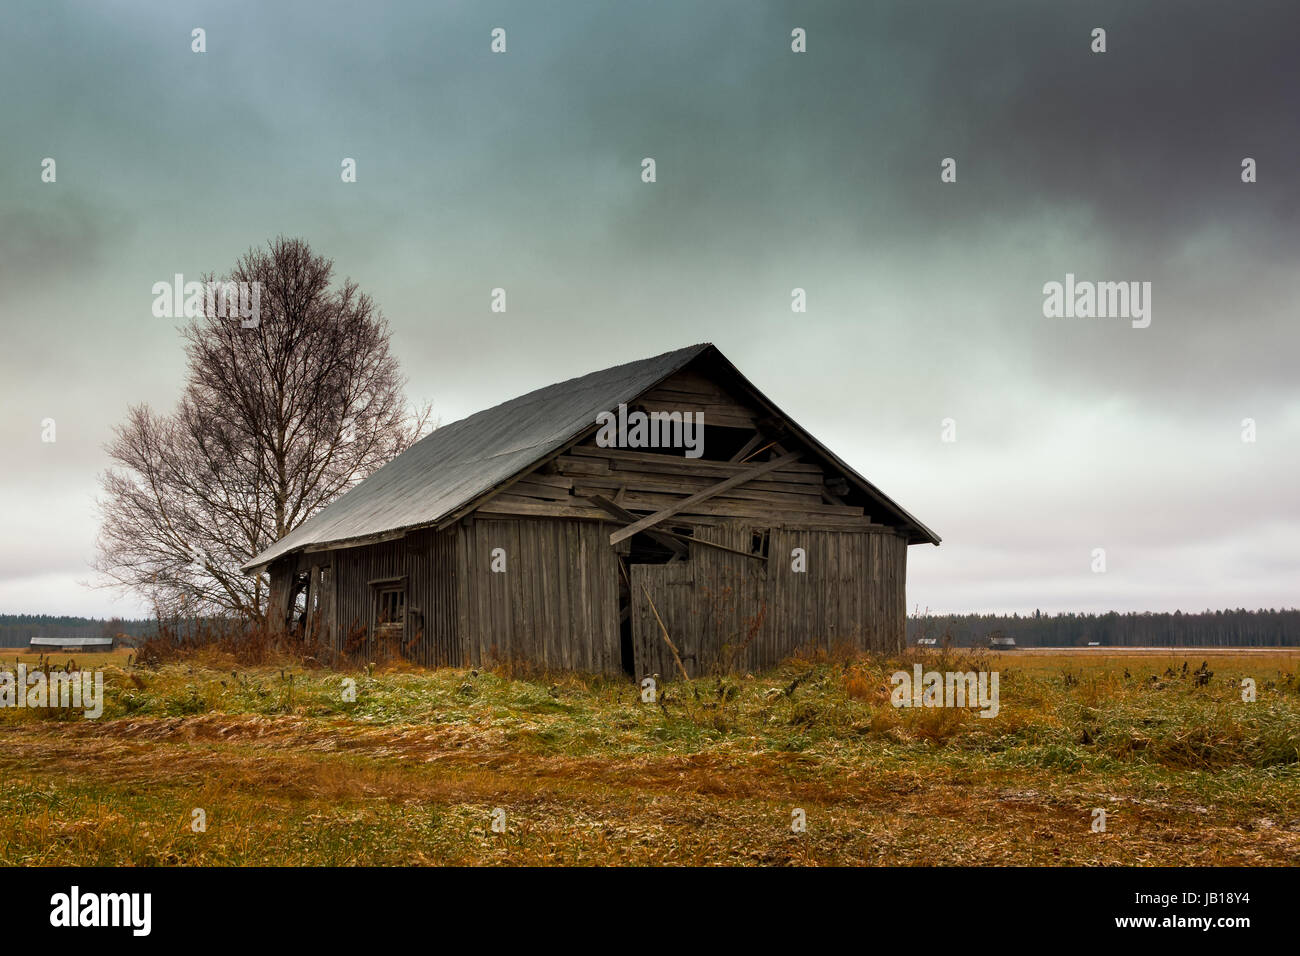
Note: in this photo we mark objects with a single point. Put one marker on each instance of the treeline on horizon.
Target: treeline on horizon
(16, 630)
(1231, 628)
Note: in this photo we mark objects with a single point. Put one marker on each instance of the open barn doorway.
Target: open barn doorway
(646, 548)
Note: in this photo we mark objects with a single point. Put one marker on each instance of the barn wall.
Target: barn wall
(725, 611)
(426, 559)
(555, 605)
(342, 595)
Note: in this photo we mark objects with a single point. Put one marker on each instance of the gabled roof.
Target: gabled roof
(69, 641)
(457, 464)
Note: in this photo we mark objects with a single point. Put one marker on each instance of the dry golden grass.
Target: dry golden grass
(290, 773)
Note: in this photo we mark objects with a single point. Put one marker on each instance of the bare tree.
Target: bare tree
(276, 421)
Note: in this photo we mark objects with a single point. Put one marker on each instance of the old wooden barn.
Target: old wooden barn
(519, 534)
(79, 645)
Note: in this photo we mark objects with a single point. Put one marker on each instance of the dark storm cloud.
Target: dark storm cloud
(42, 244)
(775, 170)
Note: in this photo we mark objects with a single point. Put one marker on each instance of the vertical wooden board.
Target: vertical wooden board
(779, 592)
(665, 597)
(465, 619)
(478, 570)
(487, 623)
(849, 559)
(610, 624)
(789, 598)
(584, 644)
(325, 610)
(471, 623)
(518, 585)
(580, 641)
(644, 662)
(570, 611)
(857, 594)
(509, 615)
(562, 595)
(597, 590)
(555, 570)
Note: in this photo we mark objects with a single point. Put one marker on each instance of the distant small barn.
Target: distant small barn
(69, 645)
(1002, 643)
(524, 533)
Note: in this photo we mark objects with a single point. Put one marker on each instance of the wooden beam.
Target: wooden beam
(714, 544)
(712, 490)
(663, 538)
(772, 445)
(620, 455)
(746, 448)
(618, 512)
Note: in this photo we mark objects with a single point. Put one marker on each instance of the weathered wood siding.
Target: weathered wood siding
(556, 604)
(342, 594)
(427, 562)
(727, 611)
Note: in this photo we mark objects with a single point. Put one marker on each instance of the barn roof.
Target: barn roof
(71, 641)
(457, 464)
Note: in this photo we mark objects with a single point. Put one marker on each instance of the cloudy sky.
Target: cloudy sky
(775, 170)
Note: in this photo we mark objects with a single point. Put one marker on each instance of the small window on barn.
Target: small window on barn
(392, 606)
(760, 540)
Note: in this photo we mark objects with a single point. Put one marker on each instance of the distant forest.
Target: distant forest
(1240, 628)
(16, 630)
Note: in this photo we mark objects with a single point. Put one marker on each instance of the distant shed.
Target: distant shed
(517, 535)
(79, 645)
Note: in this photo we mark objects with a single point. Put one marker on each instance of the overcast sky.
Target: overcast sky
(775, 170)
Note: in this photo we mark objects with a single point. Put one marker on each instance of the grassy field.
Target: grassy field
(289, 772)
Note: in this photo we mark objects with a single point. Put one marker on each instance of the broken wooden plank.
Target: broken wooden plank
(531, 489)
(747, 449)
(713, 469)
(582, 466)
(701, 496)
(618, 512)
(619, 455)
(689, 484)
(504, 505)
(648, 486)
(730, 503)
(664, 538)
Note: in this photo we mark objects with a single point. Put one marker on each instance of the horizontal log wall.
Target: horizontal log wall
(648, 482)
